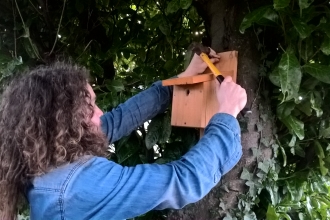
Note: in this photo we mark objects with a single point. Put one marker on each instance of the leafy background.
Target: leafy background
(127, 45)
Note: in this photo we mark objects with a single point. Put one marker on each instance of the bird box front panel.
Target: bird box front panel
(187, 106)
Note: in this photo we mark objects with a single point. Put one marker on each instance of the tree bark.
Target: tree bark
(222, 21)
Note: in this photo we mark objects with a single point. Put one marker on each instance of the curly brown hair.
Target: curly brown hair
(44, 123)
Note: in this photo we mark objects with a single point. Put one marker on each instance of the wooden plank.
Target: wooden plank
(206, 76)
(187, 105)
(188, 80)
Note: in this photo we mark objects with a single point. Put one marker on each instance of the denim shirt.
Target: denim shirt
(96, 188)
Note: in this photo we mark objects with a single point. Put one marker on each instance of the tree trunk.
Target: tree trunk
(222, 20)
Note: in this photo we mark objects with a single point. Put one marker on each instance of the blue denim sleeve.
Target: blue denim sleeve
(117, 192)
(122, 120)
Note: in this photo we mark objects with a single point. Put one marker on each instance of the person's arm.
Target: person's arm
(103, 189)
(122, 120)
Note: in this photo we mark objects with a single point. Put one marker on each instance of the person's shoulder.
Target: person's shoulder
(57, 176)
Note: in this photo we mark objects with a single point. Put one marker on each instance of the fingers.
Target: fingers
(213, 53)
(214, 60)
(228, 79)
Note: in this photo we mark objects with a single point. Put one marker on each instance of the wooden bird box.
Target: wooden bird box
(194, 98)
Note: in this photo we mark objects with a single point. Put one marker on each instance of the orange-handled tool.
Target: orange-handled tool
(214, 70)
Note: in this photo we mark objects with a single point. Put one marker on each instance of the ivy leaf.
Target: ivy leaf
(320, 72)
(325, 47)
(290, 75)
(173, 6)
(264, 16)
(246, 175)
(263, 166)
(302, 28)
(296, 126)
(305, 3)
(280, 4)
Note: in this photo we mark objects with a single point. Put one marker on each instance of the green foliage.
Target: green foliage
(294, 184)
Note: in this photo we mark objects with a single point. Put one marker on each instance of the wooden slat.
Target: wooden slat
(207, 76)
(188, 80)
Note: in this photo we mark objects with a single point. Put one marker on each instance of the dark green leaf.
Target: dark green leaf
(290, 75)
(159, 131)
(324, 26)
(316, 103)
(319, 149)
(166, 129)
(96, 68)
(323, 169)
(284, 156)
(173, 6)
(284, 110)
(295, 126)
(153, 134)
(80, 6)
(302, 28)
(154, 22)
(274, 77)
(292, 142)
(324, 129)
(305, 3)
(115, 86)
(306, 49)
(296, 189)
(325, 47)
(320, 72)
(165, 28)
(258, 16)
(305, 107)
(280, 4)
(299, 151)
(185, 4)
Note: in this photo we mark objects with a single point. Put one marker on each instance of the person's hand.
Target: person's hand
(197, 65)
(231, 97)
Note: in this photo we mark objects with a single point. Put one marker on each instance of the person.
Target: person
(53, 140)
